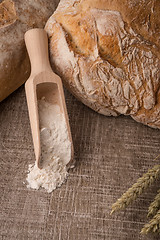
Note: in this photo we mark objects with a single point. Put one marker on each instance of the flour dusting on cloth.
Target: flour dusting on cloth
(55, 149)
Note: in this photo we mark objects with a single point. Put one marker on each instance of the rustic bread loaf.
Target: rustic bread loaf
(108, 55)
(16, 17)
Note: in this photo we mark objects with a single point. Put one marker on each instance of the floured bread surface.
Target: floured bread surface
(7, 13)
(104, 60)
(16, 17)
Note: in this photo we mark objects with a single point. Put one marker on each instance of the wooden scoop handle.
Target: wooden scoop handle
(37, 46)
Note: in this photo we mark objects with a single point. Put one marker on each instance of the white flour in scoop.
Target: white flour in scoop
(55, 149)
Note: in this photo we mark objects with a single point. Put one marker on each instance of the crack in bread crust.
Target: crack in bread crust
(105, 63)
(7, 13)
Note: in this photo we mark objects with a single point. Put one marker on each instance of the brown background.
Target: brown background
(110, 153)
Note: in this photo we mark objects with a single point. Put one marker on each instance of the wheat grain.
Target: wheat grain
(142, 183)
(153, 226)
(154, 206)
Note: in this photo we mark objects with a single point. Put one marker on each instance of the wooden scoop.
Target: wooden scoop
(42, 83)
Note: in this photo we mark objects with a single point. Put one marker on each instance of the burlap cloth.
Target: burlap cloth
(110, 153)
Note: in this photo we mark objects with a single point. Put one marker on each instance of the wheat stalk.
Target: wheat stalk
(154, 206)
(153, 226)
(132, 193)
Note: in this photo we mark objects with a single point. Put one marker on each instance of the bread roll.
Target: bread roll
(16, 17)
(108, 55)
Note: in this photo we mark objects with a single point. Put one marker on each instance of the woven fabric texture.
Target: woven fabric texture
(110, 153)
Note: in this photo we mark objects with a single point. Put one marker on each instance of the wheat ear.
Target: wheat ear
(132, 193)
(153, 226)
(154, 206)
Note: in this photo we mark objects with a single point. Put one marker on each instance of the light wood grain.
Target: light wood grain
(42, 83)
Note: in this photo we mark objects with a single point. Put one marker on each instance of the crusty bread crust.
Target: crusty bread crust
(16, 17)
(108, 55)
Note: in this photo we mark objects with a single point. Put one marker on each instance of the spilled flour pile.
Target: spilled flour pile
(55, 149)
